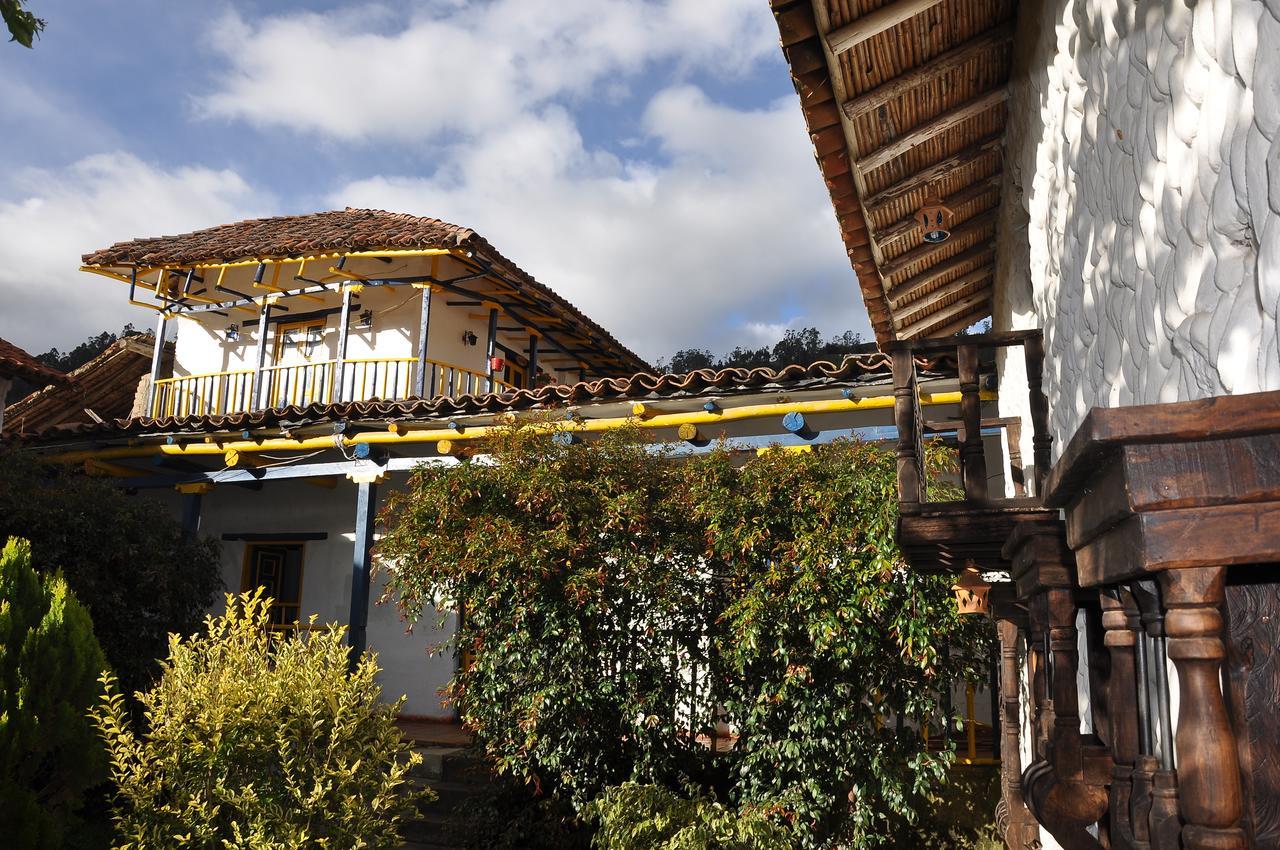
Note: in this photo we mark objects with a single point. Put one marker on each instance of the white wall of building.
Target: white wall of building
(1141, 218)
(285, 508)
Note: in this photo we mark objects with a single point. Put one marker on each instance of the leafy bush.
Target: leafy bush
(258, 740)
(124, 557)
(49, 666)
(649, 817)
(624, 609)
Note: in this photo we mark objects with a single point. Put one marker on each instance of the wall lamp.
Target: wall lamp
(468, 338)
(233, 332)
(366, 318)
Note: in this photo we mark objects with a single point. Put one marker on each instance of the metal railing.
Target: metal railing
(321, 382)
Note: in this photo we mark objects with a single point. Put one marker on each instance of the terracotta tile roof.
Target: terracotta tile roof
(288, 236)
(16, 363)
(336, 231)
(854, 370)
(107, 385)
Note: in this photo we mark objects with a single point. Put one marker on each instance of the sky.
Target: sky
(647, 160)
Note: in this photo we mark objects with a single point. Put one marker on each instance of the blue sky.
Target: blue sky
(645, 159)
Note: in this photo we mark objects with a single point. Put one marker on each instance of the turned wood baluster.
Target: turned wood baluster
(1165, 825)
(1065, 738)
(1210, 797)
(1033, 349)
(906, 417)
(973, 462)
(1120, 623)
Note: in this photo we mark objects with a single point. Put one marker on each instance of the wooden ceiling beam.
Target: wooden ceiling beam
(907, 290)
(950, 313)
(930, 174)
(908, 224)
(933, 69)
(963, 323)
(933, 128)
(977, 224)
(923, 300)
(872, 24)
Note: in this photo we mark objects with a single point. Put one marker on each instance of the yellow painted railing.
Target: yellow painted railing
(321, 382)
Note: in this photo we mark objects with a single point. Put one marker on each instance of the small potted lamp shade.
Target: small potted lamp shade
(971, 592)
(496, 364)
(935, 220)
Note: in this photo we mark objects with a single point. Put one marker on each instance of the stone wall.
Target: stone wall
(1141, 214)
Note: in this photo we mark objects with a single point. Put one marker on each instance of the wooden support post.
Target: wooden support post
(531, 379)
(973, 461)
(1210, 798)
(491, 347)
(1041, 440)
(340, 367)
(906, 416)
(260, 356)
(361, 568)
(157, 355)
(424, 327)
(1018, 826)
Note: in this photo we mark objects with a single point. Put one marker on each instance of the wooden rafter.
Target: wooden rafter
(907, 290)
(963, 307)
(909, 224)
(957, 325)
(872, 24)
(933, 128)
(976, 225)
(958, 285)
(935, 68)
(930, 174)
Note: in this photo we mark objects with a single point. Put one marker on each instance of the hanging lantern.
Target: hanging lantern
(971, 591)
(935, 220)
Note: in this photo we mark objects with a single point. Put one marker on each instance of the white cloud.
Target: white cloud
(60, 215)
(691, 251)
(366, 73)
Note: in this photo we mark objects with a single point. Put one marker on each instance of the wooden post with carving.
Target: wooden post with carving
(906, 416)
(1120, 624)
(1211, 799)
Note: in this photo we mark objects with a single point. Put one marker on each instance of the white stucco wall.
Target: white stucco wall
(1140, 224)
(284, 508)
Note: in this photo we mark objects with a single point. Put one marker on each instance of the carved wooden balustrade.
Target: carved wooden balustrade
(1141, 555)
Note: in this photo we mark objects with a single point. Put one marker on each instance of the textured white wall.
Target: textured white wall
(1141, 216)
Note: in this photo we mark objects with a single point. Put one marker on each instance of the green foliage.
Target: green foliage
(22, 25)
(49, 666)
(649, 817)
(506, 815)
(258, 740)
(796, 346)
(125, 558)
(622, 608)
(959, 815)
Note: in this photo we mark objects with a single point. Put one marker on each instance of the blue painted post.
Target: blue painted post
(260, 360)
(794, 422)
(157, 355)
(361, 567)
(531, 380)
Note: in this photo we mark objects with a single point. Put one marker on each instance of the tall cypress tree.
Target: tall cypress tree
(49, 668)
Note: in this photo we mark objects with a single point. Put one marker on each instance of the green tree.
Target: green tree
(624, 608)
(125, 557)
(23, 26)
(649, 817)
(49, 666)
(259, 740)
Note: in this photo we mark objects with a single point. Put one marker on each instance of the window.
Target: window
(277, 569)
(297, 342)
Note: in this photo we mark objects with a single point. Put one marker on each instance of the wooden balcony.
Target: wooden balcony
(320, 382)
(944, 535)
